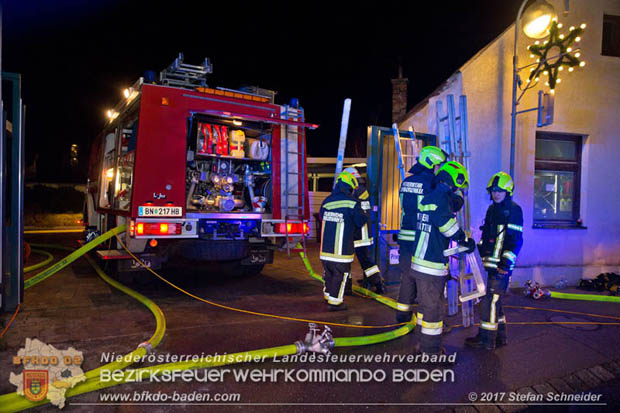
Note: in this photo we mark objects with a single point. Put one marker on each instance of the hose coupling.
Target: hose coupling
(315, 341)
(147, 346)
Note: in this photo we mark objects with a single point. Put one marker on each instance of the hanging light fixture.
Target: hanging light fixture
(537, 19)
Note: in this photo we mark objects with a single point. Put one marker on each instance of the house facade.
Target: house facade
(567, 174)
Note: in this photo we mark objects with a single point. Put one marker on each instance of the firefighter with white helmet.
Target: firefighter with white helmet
(499, 246)
(341, 215)
(363, 239)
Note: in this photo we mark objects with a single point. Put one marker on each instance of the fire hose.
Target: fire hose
(313, 342)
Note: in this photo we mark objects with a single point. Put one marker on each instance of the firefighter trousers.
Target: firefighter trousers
(430, 297)
(371, 270)
(335, 275)
(492, 318)
(408, 291)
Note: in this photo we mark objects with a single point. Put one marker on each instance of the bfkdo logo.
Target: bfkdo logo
(36, 384)
(47, 372)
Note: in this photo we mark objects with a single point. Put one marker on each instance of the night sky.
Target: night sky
(76, 56)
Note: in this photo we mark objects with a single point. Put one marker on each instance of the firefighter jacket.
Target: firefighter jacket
(412, 191)
(362, 236)
(501, 235)
(436, 225)
(341, 215)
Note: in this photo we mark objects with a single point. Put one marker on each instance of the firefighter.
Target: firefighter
(412, 190)
(436, 225)
(499, 246)
(341, 214)
(362, 240)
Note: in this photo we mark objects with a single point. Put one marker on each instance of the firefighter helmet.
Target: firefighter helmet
(501, 181)
(353, 172)
(348, 178)
(455, 173)
(430, 156)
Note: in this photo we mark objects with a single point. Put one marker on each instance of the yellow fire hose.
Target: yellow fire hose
(586, 297)
(41, 264)
(13, 402)
(72, 257)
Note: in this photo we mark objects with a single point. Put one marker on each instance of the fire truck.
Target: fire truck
(199, 174)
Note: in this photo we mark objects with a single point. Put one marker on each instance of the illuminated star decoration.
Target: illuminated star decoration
(566, 57)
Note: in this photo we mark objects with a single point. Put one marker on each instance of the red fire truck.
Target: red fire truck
(199, 174)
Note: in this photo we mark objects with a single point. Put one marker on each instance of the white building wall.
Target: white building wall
(587, 101)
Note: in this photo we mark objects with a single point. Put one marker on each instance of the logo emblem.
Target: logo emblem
(35, 384)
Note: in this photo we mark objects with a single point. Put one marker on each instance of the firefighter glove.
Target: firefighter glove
(469, 243)
(505, 264)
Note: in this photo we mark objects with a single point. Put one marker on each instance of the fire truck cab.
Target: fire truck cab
(199, 174)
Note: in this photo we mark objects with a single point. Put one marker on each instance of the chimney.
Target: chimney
(399, 96)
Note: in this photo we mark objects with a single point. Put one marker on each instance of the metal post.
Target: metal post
(515, 77)
(2, 177)
(344, 126)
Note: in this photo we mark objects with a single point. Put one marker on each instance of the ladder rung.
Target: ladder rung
(292, 173)
(293, 153)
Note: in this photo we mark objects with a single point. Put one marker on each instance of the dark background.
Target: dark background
(76, 57)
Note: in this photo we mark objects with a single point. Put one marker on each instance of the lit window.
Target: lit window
(557, 180)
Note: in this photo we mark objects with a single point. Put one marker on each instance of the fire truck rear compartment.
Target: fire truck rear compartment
(228, 165)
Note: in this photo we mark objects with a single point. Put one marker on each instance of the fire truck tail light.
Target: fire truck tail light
(158, 228)
(292, 228)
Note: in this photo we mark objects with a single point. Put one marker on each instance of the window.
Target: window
(611, 36)
(557, 180)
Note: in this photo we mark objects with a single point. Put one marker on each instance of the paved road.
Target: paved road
(75, 308)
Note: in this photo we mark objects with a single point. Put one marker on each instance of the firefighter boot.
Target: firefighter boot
(374, 282)
(481, 340)
(348, 288)
(341, 307)
(403, 316)
(501, 339)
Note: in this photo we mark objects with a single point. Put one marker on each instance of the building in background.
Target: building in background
(567, 173)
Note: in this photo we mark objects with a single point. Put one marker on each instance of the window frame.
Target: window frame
(610, 49)
(542, 164)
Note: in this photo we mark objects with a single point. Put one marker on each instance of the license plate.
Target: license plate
(135, 264)
(148, 211)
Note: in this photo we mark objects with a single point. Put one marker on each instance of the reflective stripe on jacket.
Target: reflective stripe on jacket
(362, 236)
(502, 235)
(436, 225)
(340, 215)
(412, 190)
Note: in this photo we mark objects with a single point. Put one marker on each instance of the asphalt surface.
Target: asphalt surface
(75, 308)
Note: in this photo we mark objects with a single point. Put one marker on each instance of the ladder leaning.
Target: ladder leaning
(454, 141)
(293, 192)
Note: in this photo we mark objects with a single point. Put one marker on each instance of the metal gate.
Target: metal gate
(383, 185)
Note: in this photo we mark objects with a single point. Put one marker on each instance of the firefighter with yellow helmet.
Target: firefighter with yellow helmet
(499, 246)
(436, 225)
(412, 191)
(372, 274)
(341, 215)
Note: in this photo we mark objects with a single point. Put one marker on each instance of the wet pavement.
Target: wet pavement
(76, 308)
